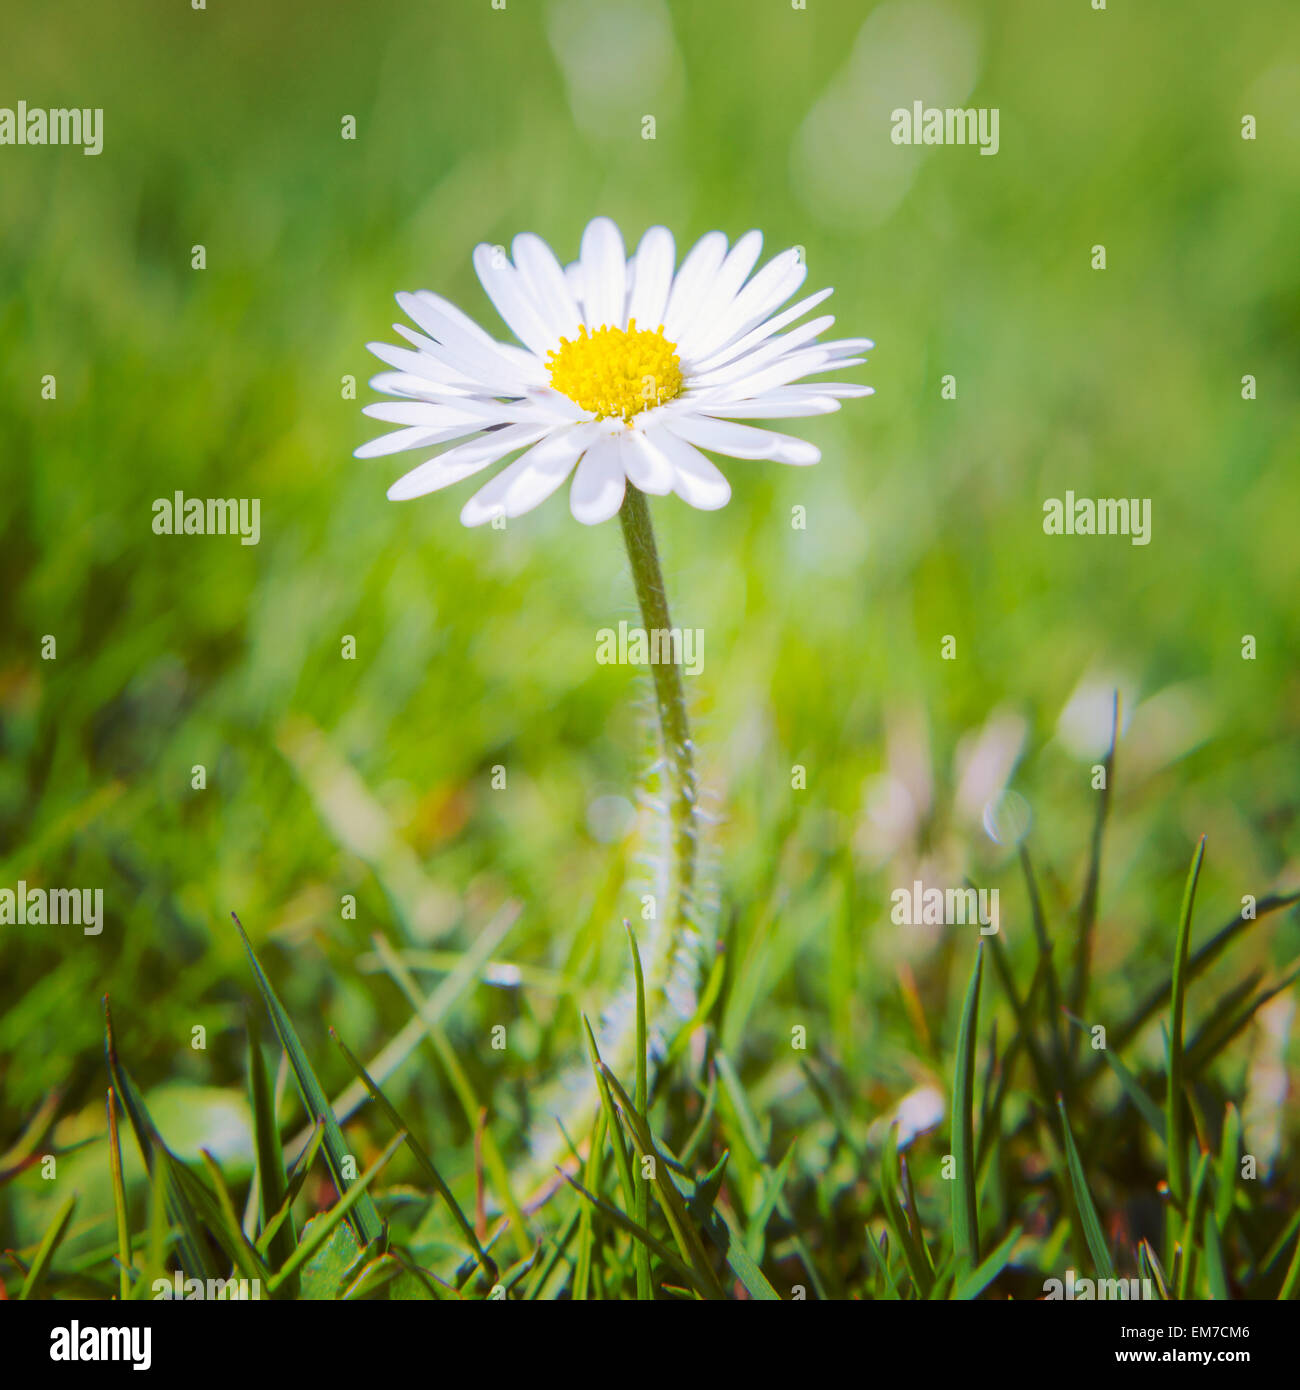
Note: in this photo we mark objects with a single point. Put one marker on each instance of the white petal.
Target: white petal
(462, 461)
(451, 342)
(780, 346)
(770, 406)
(758, 335)
(604, 274)
(766, 292)
(643, 464)
(532, 477)
(485, 372)
(407, 384)
(414, 438)
(702, 263)
(695, 478)
(544, 277)
(599, 484)
(508, 290)
(429, 415)
(422, 365)
(846, 390)
(792, 367)
(704, 328)
(652, 278)
(456, 321)
(743, 441)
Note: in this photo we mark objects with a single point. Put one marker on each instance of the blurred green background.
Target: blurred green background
(477, 648)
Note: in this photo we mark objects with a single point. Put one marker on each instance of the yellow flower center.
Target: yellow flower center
(615, 371)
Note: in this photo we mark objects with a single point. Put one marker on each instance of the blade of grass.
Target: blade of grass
(622, 1160)
(1083, 1201)
(1201, 959)
(429, 1013)
(1290, 1289)
(965, 1213)
(1215, 1272)
(916, 1255)
(587, 1225)
(1142, 1102)
(119, 1199)
(1208, 1046)
(674, 1209)
(422, 1158)
(1046, 964)
(1147, 1259)
(990, 1267)
(639, 1234)
(195, 1257)
(50, 1241)
(272, 1184)
(1088, 902)
(640, 1254)
(314, 1099)
(1187, 1270)
(322, 1229)
(1226, 1188)
(1175, 1106)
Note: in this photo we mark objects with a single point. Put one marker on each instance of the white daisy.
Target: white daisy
(628, 369)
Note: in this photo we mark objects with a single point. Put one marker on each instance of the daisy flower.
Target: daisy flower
(625, 370)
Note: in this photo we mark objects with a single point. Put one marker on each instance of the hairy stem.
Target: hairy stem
(670, 698)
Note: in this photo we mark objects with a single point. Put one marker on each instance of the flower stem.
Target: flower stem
(670, 697)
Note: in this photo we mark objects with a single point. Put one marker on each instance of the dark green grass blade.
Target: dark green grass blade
(622, 1161)
(1229, 1149)
(1207, 1047)
(965, 1212)
(916, 1254)
(422, 1158)
(1187, 1270)
(881, 1261)
(192, 1247)
(639, 1234)
(1142, 1102)
(1175, 1105)
(1148, 1262)
(1216, 1273)
(679, 1219)
(272, 1183)
(324, 1226)
(119, 1199)
(587, 1233)
(1046, 964)
(989, 1268)
(50, 1242)
(1087, 1209)
(1290, 1289)
(1201, 959)
(1088, 902)
(641, 1256)
(314, 1099)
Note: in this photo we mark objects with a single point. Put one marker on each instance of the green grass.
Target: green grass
(406, 914)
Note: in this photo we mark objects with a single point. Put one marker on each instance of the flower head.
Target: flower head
(629, 367)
